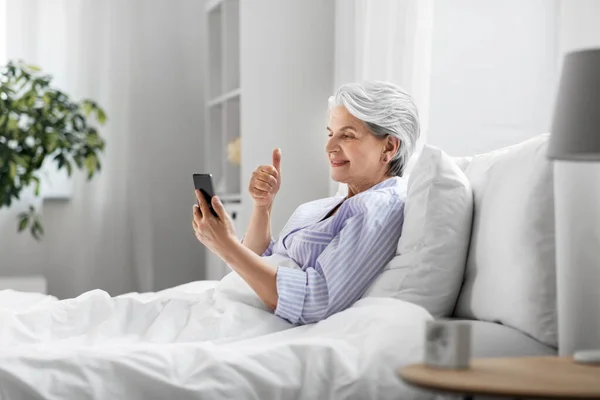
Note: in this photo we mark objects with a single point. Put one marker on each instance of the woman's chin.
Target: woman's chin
(336, 176)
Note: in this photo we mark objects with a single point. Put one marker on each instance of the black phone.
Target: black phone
(204, 183)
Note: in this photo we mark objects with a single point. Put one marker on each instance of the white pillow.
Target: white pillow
(462, 162)
(432, 249)
(510, 275)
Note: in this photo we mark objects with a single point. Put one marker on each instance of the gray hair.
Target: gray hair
(385, 109)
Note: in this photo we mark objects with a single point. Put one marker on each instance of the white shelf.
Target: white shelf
(222, 101)
(230, 197)
(212, 4)
(224, 97)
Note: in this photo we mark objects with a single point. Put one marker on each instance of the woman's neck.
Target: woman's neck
(358, 187)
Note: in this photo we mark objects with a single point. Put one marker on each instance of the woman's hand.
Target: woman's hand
(215, 233)
(265, 182)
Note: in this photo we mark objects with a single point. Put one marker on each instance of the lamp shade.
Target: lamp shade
(575, 132)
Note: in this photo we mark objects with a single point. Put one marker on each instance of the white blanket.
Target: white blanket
(203, 340)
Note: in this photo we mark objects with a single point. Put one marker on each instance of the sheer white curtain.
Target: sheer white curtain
(2, 31)
(386, 40)
(89, 240)
(129, 229)
(83, 45)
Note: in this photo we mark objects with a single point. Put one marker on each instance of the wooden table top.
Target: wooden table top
(548, 377)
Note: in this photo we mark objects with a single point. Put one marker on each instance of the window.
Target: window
(3, 29)
(54, 184)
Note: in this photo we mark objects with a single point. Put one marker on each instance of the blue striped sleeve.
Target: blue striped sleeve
(268, 251)
(291, 291)
(348, 265)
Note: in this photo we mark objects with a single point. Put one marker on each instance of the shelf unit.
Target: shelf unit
(223, 94)
(222, 99)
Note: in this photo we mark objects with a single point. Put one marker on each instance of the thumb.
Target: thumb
(277, 159)
(219, 208)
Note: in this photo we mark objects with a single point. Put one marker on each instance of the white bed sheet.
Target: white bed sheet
(204, 340)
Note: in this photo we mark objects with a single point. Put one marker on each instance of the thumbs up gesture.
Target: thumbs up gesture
(265, 181)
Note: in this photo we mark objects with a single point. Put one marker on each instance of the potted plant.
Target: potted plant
(39, 122)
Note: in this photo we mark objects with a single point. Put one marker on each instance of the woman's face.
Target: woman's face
(355, 154)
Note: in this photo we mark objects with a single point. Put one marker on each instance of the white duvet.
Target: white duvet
(203, 340)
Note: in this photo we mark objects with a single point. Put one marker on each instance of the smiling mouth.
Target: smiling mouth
(338, 163)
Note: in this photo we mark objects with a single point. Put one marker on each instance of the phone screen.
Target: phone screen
(204, 183)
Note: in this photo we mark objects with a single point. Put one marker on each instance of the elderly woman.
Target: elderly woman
(341, 244)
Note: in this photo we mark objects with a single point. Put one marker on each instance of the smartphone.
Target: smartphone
(204, 183)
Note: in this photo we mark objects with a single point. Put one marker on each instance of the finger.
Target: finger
(260, 185)
(257, 193)
(196, 218)
(198, 195)
(269, 170)
(254, 192)
(277, 160)
(204, 209)
(267, 178)
(219, 208)
(196, 215)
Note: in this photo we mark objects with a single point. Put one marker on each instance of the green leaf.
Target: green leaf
(12, 173)
(35, 233)
(101, 116)
(78, 123)
(69, 167)
(38, 226)
(23, 223)
(52, 140)
(60, 159)
(12, 124)
(78, 161)
(34, 68)
(88, 107)
(37, 185)
(20, 161)
(90, 163)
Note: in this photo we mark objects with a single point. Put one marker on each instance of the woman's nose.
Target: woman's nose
(332, 145)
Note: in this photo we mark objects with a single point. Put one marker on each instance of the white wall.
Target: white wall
(168, 109)
(286, 78)
(386, 40)
(493, 73)
(130, 227)
(579, 25)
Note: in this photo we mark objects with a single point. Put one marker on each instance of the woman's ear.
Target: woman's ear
(392, 145)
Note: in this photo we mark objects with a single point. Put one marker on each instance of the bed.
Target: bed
(201, 340)
(459, 256)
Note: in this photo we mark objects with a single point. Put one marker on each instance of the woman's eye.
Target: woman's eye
(343, 135)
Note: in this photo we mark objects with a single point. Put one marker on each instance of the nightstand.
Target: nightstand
(517, 377)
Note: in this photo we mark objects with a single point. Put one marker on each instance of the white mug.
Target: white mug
(447, 344)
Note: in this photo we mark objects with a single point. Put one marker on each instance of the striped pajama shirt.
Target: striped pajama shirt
(339, 256)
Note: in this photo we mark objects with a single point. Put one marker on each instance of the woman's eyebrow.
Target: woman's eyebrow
(344, 128)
